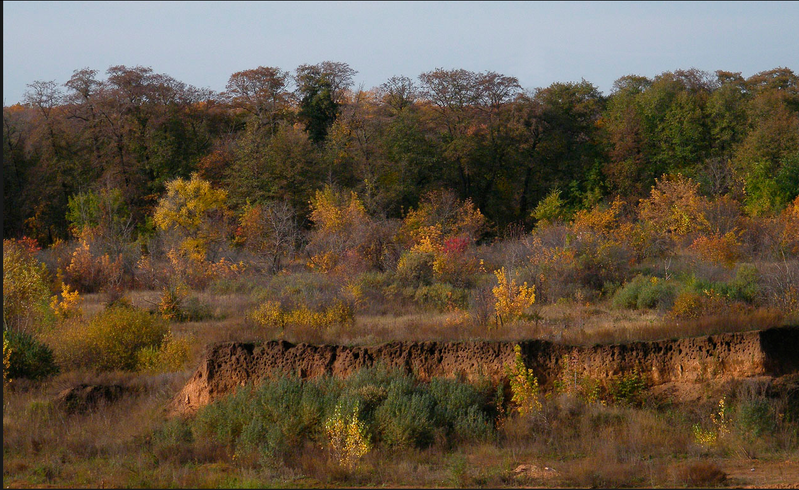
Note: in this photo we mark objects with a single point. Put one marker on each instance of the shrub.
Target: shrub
(702, 297)
(719, 249)
(111, 340)
(481, 305)
(89, 272)
(745, 285)
(69, 306)
(196, 310)
(347, 438)
(26, 357)
(674, 206)
(170, 305)
(551, 209)
(312, 290)
(197, 212)
(270, 231)
(646, 292)
(415, 268)
(628, 389)
(755, 418)
(272, 315)
(273, 418)
(658, 293)
(441, 215)
(570, 382)
(406, 418)
(575, 260)
(7, 350)
(523, 385)
(441, 296)
(721, 426)
(627, 295)
(703, 474)
(460, 409)
(341, 226)
(441, 233)
(170, 356)
(173, 441)
(372, 406)
(25, 286)
(195, 272)
(512, 300)
(269, 315)
(688, 304)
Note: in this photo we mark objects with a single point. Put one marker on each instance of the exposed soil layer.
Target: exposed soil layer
(225, 366)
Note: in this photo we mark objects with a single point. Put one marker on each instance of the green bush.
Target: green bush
(415, 269)
(755, 418)
(26, 294)
(658, 294)
(196, 310)
(627, 295)
(29, 357)
(396, 409)
(111, 340)
(460, 409)
(374, 280)
(441, 296)
(743, 287)
(628, 389)
(172, 434)
(172, 355)
(406, 418)
(646, 292)
(272, 418)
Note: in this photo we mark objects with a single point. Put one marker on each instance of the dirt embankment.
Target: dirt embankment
(225, 366)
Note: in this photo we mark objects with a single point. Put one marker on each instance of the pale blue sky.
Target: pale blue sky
(203, 43)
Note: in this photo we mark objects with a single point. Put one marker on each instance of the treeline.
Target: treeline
(278, 136)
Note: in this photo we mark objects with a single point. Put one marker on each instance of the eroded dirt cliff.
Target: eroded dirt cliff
(225, 366)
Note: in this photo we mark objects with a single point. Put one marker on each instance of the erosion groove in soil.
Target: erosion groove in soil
(225, 366)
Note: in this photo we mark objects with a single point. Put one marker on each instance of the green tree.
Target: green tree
(320, 89)
(281, 167)
(766, 158)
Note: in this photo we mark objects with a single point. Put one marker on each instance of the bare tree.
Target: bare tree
(271, 232)
(398, 92)
(262, 92)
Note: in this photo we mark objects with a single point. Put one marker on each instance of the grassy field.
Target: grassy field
(572, 440)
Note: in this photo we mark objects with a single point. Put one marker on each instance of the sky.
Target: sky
(540, 43)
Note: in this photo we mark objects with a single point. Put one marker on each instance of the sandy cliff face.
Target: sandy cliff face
(225, 366)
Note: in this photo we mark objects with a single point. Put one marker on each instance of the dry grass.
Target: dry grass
(568, 444)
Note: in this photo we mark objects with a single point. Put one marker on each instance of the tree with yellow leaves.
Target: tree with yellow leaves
(197, 212)
(340, 225)
(674, 206)
(512, 300)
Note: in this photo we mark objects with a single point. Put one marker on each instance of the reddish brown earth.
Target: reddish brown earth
(225, 366)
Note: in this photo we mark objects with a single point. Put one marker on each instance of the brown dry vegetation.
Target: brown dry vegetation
(577, 284)
(569, 443)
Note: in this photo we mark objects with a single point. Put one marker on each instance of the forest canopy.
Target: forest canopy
(275, 136)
